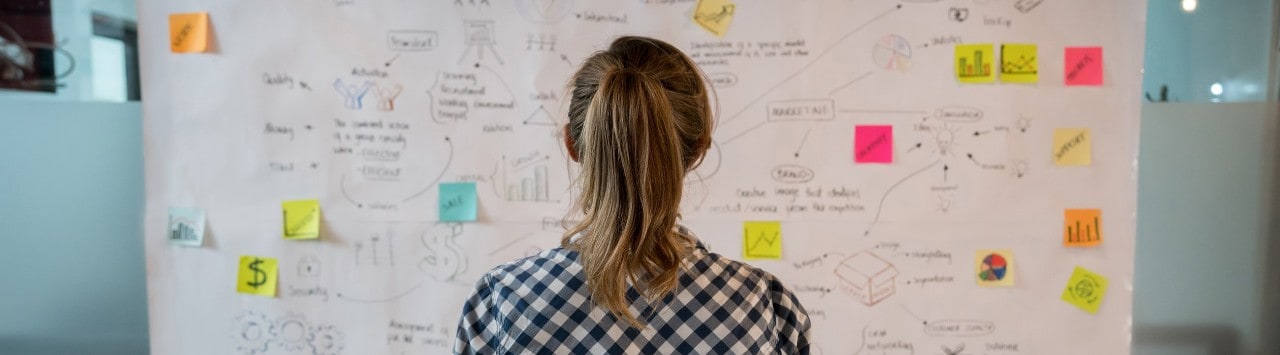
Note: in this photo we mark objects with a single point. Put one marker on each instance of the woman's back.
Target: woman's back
(541, 305)
(627, 278)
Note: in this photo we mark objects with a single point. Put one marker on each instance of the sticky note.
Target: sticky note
(301, 219)
(1072, 147)
(1085, 290)
(873, 144)
(973, 63)
(186, 226)
(1082, 66)
(993, 267)
(1018, 63)
(257, 276)
(1082, 227)
(189, 32)
(762, 240)
(714, 16)
(458, 202)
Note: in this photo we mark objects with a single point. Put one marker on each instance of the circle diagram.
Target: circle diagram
(892, 52)
(994, 268)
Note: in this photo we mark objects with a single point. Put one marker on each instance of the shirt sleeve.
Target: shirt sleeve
(791, 321)
(477, 328)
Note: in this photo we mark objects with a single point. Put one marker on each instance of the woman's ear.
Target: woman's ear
(569, 144)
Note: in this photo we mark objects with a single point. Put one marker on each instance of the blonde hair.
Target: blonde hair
(639, 120)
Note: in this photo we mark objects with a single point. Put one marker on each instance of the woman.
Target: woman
(628, 279)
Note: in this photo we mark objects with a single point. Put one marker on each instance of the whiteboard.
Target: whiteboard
(368, 105)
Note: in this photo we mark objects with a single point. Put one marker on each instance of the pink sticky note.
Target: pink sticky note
(873, 144)
(1083, 66)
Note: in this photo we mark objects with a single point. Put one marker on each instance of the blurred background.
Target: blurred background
(72, 194)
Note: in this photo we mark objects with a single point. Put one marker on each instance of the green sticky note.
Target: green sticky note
(301, 219)
(1085, 290)
(762, 240)
(458, 202)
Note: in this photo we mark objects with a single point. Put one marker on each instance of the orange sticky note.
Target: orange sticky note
(189, 32)
(1082, 227)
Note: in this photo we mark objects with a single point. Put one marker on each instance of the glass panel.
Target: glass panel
(68, 50)
(1209, 51)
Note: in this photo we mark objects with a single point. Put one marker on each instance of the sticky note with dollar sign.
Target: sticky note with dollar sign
(257, 276)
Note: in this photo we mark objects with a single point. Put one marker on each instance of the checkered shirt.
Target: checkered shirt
(541, 305)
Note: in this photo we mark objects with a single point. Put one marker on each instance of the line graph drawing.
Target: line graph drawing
(763, 245)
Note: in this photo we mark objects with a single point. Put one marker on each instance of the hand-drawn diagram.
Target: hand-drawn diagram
(540, 117)
(524, 178)
(867, 277)
(309, 267)
(541, 42)
(892, 52)
(445, 259)
(377, 250)
(256, 333)
(352, 94)
(479, 36)
(544, 11)
(387, 93)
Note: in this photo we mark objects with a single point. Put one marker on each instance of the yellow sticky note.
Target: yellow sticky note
(1085, 289)
(1072, 147)
(301, 219)
(189, 32)
(257, 276)
(1082, 227)
(993, 267)
(1018, 63)
(762, 240)
(974, 63)
(714, 16)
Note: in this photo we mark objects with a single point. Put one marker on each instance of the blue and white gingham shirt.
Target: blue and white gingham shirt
(541, 305)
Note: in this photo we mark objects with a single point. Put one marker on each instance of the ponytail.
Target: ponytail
(639, 122)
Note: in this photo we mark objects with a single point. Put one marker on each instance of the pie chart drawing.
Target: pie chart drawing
(892, 52)
(994, 268)
(544, 11)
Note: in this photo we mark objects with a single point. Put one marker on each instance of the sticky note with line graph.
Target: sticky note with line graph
(1018, 63)
(301, 219)
(762, 240)
(1082, 227)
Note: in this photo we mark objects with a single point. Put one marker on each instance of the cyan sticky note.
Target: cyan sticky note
(186, 226)
(458, 202)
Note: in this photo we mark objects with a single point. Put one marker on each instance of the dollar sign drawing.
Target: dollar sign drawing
(259, 276)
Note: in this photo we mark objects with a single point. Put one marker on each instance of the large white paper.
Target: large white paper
(368, 105)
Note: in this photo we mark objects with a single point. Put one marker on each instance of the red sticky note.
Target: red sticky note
(1083, 66)
(873, 144)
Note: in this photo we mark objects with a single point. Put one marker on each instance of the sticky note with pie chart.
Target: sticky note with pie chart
(994, 267)
(1085, 290)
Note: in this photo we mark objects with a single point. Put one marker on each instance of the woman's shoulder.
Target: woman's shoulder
(553, 262)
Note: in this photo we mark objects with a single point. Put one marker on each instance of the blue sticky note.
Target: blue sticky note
(458, 202)
(186, 226)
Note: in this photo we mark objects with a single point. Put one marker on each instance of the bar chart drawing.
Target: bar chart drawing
(526, 181)
(973, 62)
(1082, 228)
